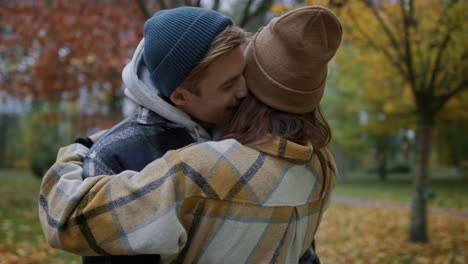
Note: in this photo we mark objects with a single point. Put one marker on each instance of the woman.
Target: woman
(256, 196)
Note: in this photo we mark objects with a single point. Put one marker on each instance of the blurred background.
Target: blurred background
(396, 98)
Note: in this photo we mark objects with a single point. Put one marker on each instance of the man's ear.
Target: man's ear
(179, 96)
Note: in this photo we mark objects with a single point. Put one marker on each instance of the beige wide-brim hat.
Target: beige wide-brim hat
(287, 60)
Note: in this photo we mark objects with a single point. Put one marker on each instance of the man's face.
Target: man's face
(220, 91)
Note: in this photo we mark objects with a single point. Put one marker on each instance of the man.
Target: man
(155, 242)
(186, 77)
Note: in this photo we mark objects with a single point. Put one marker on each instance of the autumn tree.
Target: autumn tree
(66, 57)
(61, 46)
(53, 49)
(450, 134)
(425, 44)
(60, 51)
(422, 44)
(361, 122)
(56, 52)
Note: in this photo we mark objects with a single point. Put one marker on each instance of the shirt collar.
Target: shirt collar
(285, 149)
(148, 117)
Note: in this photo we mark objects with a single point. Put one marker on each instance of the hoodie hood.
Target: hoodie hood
(140, 89)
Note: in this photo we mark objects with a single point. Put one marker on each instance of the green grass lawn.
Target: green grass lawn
(450, 192)
(22, 241)
(21, 238)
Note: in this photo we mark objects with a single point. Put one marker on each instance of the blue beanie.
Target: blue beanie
(176, 40)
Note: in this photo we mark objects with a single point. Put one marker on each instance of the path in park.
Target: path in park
(349, 200)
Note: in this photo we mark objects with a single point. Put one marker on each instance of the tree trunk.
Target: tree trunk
(144, 9)
(216, 5)
(261, 10)
(418, 226)
(3, 138)
(176, 3)
(382, 168)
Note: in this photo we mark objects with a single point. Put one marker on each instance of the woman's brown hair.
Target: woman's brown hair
(254, 121)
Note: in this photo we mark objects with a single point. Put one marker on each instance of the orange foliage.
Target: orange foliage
(359, 234)
(70, 44)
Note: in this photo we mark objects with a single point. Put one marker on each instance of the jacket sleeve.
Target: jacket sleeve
(332, 170)
(103, 215)
(93, 165)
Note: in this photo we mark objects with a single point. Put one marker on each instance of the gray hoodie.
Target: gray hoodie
(140, 89)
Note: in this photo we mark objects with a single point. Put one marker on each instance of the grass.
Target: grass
(21, 238)
(348, 234)
(450, 192)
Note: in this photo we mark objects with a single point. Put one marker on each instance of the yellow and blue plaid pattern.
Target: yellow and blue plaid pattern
(216, 202)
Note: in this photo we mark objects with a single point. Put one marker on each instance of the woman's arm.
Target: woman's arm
(92, 217)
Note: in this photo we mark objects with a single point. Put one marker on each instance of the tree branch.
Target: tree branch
(144, 9)
(263, 7)
(407, 21)
(247, 16)
(216, 5)
(443, 99)
(423, 61)
(191, 3)
(437, 63)
(387, 30)
(245, 13)
(441, 49)
(387, 53)
(162, 4)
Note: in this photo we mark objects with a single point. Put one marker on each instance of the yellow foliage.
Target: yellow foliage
(360, 234)
(456, 109)
(278, 8)
(383, 49)
(315, 2)
(376, 35)
(401, 104)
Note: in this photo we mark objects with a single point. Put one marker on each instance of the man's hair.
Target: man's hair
(226, 41)
(256, 123)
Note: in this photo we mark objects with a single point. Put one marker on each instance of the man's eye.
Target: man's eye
(228, 85)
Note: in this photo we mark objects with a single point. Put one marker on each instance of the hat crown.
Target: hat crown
(309, 32)
(306, 39)
(163, 29)
(287, 60)
(176, 40)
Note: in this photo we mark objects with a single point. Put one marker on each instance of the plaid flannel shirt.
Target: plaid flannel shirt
(216, 202)
(134, 143)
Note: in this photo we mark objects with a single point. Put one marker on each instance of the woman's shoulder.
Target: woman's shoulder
(214, 149)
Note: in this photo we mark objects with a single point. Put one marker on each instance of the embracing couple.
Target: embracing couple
(225, 160)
